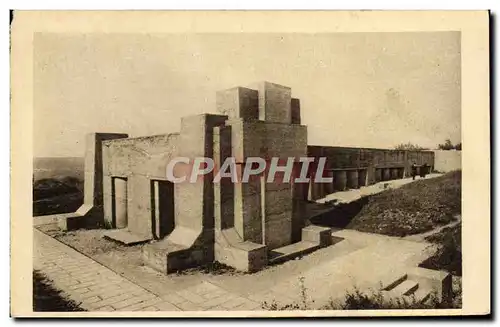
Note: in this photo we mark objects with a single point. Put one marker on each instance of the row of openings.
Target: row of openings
(162, 206)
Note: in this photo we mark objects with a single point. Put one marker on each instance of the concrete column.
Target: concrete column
(386, 174)
(340, 180)
(224, 190)
(120, 202)
(352, 179)
(394, 173)
(248, 204)
(295, 104)
(277, 212)
(328, 187)
(362, 175)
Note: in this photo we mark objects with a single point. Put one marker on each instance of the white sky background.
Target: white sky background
(356, 89)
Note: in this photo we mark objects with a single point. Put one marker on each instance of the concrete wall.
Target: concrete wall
(139, 160)
(357, 167)
(445, 161)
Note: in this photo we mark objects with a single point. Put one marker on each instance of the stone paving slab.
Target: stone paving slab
(97, 288)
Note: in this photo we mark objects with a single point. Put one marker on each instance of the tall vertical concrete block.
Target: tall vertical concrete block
(91, 213)
(238, 103)
(340, 180)
(248, 209)
(386, 174)
(196, 140)
(295, 107)
(394, 173)
(223, 190)
(352, 179)
(274, 102)
(362, 177)
(277, 212)
(328, 188)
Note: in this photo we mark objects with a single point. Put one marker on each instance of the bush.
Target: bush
(409, 146)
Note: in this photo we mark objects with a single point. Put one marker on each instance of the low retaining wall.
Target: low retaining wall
(447, 160)
(353, 168)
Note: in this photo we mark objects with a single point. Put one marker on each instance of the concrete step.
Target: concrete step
(392, 281)
(421, 295)
(404, 288)
(292, 251)
(125, 237)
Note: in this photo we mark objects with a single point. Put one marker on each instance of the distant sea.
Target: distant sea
(58, 167)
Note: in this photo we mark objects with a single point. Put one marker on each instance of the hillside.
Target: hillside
(58, 167)
(57, 195)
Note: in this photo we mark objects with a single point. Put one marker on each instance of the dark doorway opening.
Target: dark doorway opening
(162, 208)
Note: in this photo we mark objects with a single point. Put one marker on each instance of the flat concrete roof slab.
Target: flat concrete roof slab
(124, 236)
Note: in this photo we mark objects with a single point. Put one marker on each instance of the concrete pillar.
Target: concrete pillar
(248, 199)
(362, 176)
(328, 187)
(352, 179)
(238, 102)
(386, 174)
(97, 186)
(277, 211)
(224, 190)
(274, 102)
(340, 180)
(295, 104)
(120, 188)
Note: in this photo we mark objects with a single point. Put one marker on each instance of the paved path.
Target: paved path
(356, 194)
(380, 258)
(97, 288)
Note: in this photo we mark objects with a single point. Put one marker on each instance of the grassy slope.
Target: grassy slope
(414, 208)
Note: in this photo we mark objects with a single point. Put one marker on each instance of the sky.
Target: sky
(356, 89)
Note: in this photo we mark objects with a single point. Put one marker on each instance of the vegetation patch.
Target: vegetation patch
(57, 195)
(47, 298)
(449, 254)
(211, 268)
(359, 300)
(411, 209)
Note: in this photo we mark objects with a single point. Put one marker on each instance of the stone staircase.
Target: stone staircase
(313, 238)
(292, 251)
(407, 288)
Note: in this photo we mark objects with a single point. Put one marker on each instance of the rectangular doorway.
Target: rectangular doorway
(119, 202)
(162, 208)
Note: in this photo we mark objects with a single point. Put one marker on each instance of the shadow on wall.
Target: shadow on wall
(341, 215)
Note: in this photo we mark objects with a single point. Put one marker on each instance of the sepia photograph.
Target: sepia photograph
(250, 173)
